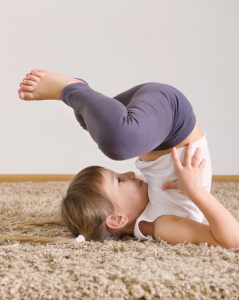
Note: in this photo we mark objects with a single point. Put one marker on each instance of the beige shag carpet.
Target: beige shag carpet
(126, 269)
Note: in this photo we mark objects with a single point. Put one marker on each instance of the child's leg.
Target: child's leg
(123, 98)
(78, 116)
(147, 117)
(128, 125)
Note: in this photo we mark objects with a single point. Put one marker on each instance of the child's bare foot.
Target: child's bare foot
(43, 84)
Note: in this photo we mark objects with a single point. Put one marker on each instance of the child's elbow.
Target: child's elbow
(234, 245)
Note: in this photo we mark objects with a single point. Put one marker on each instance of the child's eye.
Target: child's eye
(119, 179)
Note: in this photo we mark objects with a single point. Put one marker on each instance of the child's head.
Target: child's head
(101, 204)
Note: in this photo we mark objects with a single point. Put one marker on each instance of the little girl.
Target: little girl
(155, 122)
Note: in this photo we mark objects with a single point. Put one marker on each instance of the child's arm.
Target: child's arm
(223, 226)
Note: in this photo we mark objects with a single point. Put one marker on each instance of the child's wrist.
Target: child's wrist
(195, 191)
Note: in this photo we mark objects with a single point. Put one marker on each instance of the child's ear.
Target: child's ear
(116, 221)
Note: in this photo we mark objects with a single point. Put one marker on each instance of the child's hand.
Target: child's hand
(189, 175)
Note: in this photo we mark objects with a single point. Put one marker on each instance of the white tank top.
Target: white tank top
(170, 202)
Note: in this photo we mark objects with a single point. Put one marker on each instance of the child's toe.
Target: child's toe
(28, 82)
(22, 95)
(25, 95)
(36, 73)
(32, 77)
(27, 88)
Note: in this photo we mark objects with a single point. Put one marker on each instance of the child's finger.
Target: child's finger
(202, 164)
(188, 158)
(176, 160)
(196, 157)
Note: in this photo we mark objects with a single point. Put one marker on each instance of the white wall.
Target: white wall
(115, 45)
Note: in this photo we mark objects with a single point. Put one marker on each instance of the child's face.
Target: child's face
(126, 193)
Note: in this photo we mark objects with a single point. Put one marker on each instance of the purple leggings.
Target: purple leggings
(148, 117)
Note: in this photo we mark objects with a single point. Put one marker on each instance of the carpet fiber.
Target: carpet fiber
(126, 269)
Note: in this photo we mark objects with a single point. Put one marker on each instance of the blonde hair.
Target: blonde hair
(83, 211)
